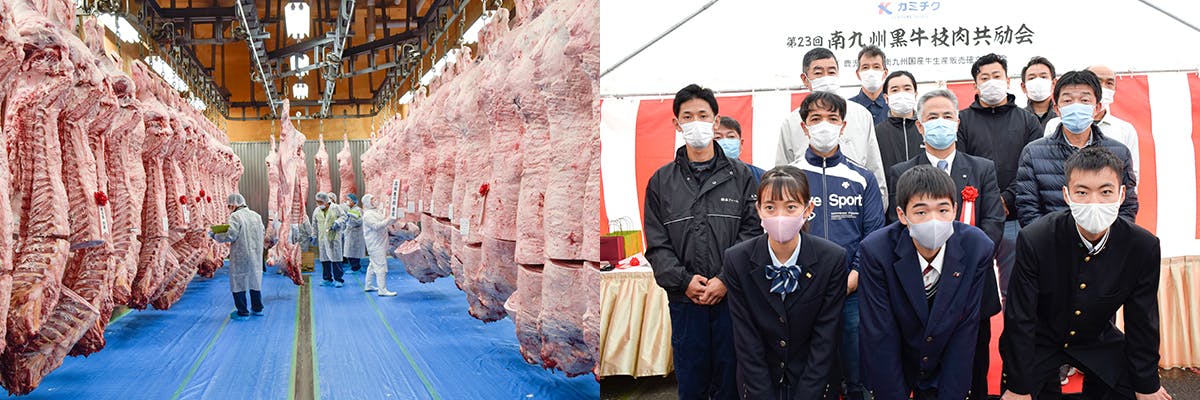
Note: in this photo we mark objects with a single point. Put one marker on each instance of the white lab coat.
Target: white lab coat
(329, 225)
(352, 244)
(246, 251)
(375, 224)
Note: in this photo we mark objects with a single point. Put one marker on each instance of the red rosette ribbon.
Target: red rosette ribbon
(969, 194)
(101, 199)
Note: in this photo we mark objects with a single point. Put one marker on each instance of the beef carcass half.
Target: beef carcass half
(498, 279)
(321, 167)
(345, 159)
(31, 120)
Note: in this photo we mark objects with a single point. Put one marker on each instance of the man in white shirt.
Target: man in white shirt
(858, 141)
(1111, 126)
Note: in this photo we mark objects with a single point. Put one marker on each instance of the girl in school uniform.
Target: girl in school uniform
(786, 290)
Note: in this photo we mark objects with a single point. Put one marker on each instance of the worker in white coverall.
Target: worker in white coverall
(328, 221)
(245, 256)
(352, 240)
(375, 224)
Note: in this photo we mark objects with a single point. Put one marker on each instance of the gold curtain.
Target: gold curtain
(635, 326)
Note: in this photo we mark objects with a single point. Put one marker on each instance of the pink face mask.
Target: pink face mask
(783, 229)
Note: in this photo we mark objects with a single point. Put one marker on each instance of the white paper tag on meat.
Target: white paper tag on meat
(421, 205)
(103, 220)
(450, 212)
(412, 208)
(464, 226)
(186, 215)
(165, 227)
(431, 206)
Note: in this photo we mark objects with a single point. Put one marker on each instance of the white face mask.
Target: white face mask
(931, 234)
(1094, 217)
(827, 83)
(1106, 96)
(824, 136)
(1038, 89)
(993, 91)
(698, 134)
(872, 79)
(902, 102)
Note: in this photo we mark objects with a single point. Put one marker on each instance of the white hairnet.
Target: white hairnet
(236, 199)
(368, 202)
(323, 197)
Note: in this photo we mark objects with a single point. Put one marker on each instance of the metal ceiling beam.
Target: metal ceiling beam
(210, 14)
(307, 45)
(381, 43)
(345, 18)
(248, 12)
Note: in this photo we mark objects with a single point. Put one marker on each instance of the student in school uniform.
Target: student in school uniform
(786, 289)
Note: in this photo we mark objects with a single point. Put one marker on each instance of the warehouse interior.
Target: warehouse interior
(115, 280)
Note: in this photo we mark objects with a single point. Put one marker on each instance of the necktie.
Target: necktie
(944, 166)
(930, 276)
(784, 279)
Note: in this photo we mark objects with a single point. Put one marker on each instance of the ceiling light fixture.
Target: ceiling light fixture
(297, 18)
(300, 90)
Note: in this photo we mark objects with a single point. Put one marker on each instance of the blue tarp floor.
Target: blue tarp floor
(421, 344)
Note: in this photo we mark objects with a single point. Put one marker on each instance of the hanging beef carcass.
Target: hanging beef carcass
(155, 223)
(345, 160)
(321, 166)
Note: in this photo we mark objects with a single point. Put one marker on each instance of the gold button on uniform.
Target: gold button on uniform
(782, 343)
(1082, 286)
(1088, 258)
(1077, 312)
(1072, 333)
(929, 339)
(1065, 345)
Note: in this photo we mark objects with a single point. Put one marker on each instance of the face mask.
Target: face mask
(783, 229)
(1038, 89)
(824, 136)
(872, 79)
(827, 83)
(731, 146)
(902, 102)
(931, 234)
(940, 133)
(1106, 96)
(1095, 217)
(698, 134)
(1077, 117)
(993, 91)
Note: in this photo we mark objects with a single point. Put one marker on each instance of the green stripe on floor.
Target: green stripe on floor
(196, 364)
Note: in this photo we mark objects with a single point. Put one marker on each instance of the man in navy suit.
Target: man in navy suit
(937, 120)
(922, 282)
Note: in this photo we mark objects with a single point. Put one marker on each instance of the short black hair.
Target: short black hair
(872, 51)
(990, 58)
(694, 91)
(825, 101)
(1094, 158)
(731, 124)
(923, 180)
(1035, 61)
(1081, 77)
(819, 53)
(784, 182)
(897, 74)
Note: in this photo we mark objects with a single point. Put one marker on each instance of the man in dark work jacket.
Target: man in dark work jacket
(1074, 269)
(696, 207)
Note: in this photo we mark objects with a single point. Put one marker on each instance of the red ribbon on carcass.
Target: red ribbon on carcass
(182, 199)
(101, 199)
(483, 189)
(208, 199)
